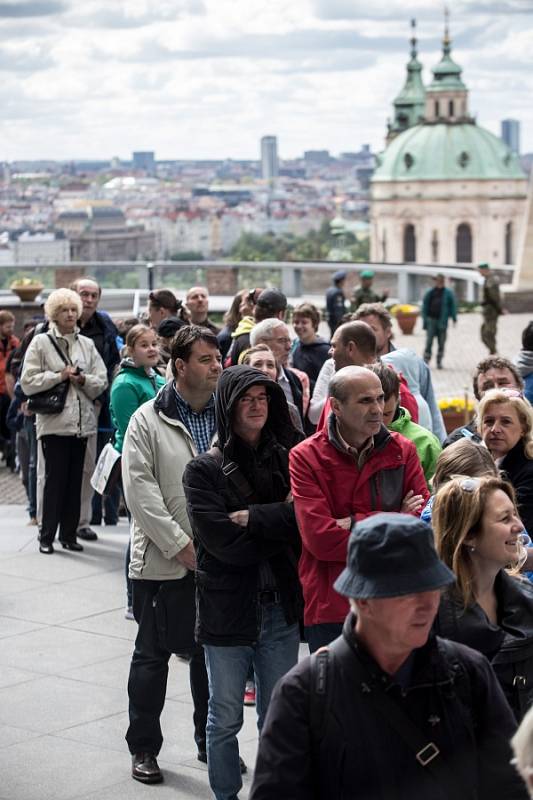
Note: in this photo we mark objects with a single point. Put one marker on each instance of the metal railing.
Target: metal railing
(296, 279)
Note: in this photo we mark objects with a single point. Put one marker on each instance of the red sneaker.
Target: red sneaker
(249, 694)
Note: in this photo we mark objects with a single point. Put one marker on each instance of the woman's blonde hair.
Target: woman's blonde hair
(522, 407)
(463, 457)
(60, 298)
(456, 515)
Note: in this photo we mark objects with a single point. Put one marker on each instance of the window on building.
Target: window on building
(437, 108)
(509, 243)
(409, 244)
(450, 108)
(463, 244)
(435, 247)
(384, 246)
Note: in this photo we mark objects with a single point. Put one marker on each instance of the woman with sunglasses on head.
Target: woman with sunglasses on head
(505, 422)
(480, 536)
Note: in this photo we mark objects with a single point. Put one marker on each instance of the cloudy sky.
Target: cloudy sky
(208, 78)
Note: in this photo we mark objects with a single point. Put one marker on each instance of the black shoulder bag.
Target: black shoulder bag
(51, 401)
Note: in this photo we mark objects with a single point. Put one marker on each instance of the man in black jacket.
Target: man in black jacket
(98, 326)
(388, 710)
(247, 545)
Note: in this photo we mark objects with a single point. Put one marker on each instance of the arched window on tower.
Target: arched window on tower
(409, 244)
(450, 108)
(435, 247)
(437, 109)
(509, 243)
(463, 244)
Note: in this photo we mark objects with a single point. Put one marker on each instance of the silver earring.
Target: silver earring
(472, 549)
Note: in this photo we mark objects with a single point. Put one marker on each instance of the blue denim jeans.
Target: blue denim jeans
(275, 652)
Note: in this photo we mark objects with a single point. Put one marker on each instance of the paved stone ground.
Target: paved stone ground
(65, 650)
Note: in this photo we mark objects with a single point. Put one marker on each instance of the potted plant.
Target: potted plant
(406, 316)
(26, 288)
(456, 411)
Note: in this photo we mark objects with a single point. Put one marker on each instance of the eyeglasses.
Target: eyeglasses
(261, 399)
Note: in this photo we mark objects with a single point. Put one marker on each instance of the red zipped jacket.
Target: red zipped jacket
(327, 485)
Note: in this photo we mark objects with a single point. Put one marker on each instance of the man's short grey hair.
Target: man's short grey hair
(522, 744)
(264, 330)
(339, 385)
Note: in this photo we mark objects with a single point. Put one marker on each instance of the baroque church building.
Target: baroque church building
(445, 190)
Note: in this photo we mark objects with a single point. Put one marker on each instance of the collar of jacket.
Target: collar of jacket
(431, 666)
(515, 457)
(515, 603)
(165, 405)
(381, 439)
(54, 330)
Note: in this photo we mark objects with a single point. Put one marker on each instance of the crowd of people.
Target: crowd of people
(282, 490)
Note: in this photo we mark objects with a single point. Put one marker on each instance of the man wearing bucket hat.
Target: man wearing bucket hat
(364, 293)
(388, 710)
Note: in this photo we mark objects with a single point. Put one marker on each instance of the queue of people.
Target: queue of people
(281, 492)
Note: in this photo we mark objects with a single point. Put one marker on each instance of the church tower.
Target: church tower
(409, 105)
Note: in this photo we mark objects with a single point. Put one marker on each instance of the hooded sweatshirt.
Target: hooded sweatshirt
(235, 562)
(427, 445)
(132, 387)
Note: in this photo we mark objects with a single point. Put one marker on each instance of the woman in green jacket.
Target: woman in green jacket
(136, 382)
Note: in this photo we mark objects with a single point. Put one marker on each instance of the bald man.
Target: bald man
(197, 301)
(353, 467)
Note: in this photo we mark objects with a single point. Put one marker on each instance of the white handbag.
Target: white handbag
(107, 470)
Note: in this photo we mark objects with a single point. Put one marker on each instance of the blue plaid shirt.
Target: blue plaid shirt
(201, 425)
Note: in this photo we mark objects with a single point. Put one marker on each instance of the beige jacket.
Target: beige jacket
(42, 370)
(157, 448)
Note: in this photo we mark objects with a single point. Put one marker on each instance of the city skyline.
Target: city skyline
(196, 79)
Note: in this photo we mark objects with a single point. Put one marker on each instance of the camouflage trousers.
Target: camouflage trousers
(488, 332)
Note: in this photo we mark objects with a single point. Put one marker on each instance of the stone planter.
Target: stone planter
(27, 294)
(407, 322)
(454, 419)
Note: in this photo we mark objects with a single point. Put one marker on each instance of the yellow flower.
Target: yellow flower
(456, 404)
(404, 308)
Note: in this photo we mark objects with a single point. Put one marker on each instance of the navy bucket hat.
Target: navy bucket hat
(390, 555)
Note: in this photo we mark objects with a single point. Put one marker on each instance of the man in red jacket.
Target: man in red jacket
(353, 467)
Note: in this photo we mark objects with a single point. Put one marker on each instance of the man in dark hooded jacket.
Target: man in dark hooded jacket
(247, 546)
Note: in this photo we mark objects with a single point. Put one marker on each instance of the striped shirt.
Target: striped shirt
(201, 425)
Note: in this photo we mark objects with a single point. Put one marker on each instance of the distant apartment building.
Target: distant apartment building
(26, 247)
(144, 160)
(101, 233)
(269, 158)
(510, 133)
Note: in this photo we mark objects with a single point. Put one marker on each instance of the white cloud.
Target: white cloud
(207, 78)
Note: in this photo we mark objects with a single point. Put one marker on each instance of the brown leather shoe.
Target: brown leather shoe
(144, 768)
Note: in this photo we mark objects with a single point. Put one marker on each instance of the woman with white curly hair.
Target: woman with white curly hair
(60, 355)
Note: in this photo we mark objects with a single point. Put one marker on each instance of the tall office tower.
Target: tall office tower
(269, 157)
(144, 160)
(511, 134)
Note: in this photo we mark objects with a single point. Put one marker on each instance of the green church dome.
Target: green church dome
(444, 151)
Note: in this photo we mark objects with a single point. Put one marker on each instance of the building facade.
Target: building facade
(445, 190)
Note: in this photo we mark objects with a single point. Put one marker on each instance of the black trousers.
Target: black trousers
(147, 683)
(64, 457)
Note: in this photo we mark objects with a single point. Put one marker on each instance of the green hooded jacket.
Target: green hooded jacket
(131, 388)
(427, 445)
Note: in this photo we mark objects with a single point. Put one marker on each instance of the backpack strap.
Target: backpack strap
(68, 362)
(234, 474)
(321, 691)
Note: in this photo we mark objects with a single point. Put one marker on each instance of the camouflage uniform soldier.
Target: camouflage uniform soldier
(365, 293)
(492, 308)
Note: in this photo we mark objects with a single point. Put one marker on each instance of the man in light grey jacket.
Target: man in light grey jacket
(162, 437)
